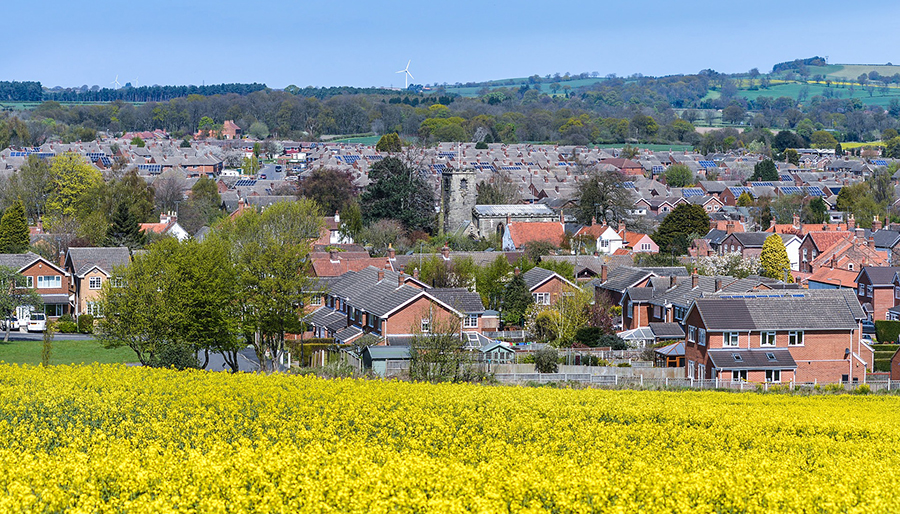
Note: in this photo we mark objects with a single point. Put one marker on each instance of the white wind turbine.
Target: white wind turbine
(407, 75)
(116, 82)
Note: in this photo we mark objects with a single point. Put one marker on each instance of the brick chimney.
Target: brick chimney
(729, 227)
(337, 217)
(695, 280)
(860, 234)
(445, 251)
(399, 279)
(380, 275)
(392, 254)
(876, 223)
(40, 225)
(772, 223)
(562, 216)
(517, 271)
(333, 256)
(834, 261)
(416, 273)
(672, 281)
(851, 223)
(604, 270)
(718, 284)
(796, 220)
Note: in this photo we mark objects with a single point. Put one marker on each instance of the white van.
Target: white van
(37, 322)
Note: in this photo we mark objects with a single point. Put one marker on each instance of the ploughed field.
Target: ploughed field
(110, 438)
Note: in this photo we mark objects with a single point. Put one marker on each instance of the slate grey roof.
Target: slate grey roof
(348, 334)
(752, 359)
(886, 238)
(847, 295)
(460, 299)
(623, 277)
(777, 312)
(640, 294)
(17, 261)
(751, 239)
(329, 318)
(667, 330)
(537, 276)
(82, 260)
(668, 271)
(878, 275)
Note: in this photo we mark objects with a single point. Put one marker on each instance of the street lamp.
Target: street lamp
(840, 285)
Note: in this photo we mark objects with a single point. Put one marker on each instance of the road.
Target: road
(39, 336)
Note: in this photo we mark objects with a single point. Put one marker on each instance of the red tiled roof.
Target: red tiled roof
(159, 228)
(328, 268)
(550, 231)
(827, 239)
(835, 277)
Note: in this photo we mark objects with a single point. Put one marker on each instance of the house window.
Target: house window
(426, 325)
(645, 247)
(773, 375)
(701, 336)
(850, 266)
(897, 292)
(95, 282)
(868, 287)
(795, 338)
(767, 339)
(630, 308)
(701, 371)
(49, 282)
(541, 298)
(739, 375)
(315, 300)
(29, 281)
(692, 334)
(470, 321)
(804, 255)
(730, 339)
(93, 308)
(691, 369)
(657, 311)
(604, 243)
(862, 290)
(53, 309)
(678, 313)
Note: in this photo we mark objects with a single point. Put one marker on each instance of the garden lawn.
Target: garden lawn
(64, 352)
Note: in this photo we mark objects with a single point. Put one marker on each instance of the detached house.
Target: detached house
(875, 290)
(49, 280)
(547, 286)
(90, 268)
(393, 307)
(811, 336)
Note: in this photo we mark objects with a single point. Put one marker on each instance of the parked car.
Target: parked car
(37, 322)
(868, 327)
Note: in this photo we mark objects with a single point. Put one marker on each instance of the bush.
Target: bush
(546, 360)
(86, 324)
(589, 336)
(66, 327)
(66, 318)
(887, 331)
(613, 341)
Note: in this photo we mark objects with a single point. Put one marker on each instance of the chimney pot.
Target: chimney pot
(380, 275)
(718, 284)
(695, 280)
(672, 281)
(416, 273)
(392, 254)
(604, 270)
(399, 279)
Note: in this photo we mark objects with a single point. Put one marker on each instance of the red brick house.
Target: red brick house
(875, 290)
(816, 242)
(393, 307)
(813, 336)
(49, 280)
(547, 286)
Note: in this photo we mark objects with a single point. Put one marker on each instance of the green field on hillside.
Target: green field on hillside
(519, 82)
(880, 96)
(851, 71)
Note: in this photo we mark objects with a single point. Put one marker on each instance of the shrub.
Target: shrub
(887, 331)
(613, 341)
(65, 318)
(589, 336)
(546, 360)
(66, 327)
(862, 389)
(86, 324)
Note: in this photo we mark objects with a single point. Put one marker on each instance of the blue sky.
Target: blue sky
(358, 43)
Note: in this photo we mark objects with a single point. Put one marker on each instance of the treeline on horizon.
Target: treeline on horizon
(636, 109)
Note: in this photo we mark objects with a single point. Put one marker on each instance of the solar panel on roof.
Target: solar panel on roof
(785, 178)
(880, 162)
(707, 164)
(628, 185)
(658, 169)
(245, 183)
(692, 191)
(106, 161)
(791, 190)
(762, 184)
(815, 191)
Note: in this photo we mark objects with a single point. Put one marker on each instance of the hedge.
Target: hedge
(887, 330)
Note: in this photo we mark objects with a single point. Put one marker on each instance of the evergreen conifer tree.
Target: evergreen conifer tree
(124, 229)
(774, 259)
(516, 300)
(14, 236)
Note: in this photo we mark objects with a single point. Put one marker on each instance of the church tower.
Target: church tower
(457, 197)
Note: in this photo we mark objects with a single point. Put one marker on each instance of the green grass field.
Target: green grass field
(545, 85)
(64, 352)
(881, 96)
(851, 71)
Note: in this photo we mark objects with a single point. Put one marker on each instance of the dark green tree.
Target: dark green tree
(203, 208)
(791, 156)
(814, 211)
(138, 142)
(676, 230)
(389, 143)
(398, 192)
(124, 229)
(765, 170)
(14, 236)
(331, 189)
(516, 300)
(679, 175)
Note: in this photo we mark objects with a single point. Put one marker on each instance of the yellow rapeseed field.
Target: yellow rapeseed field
(108, 438)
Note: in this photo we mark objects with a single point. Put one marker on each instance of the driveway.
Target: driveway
(15, 335)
